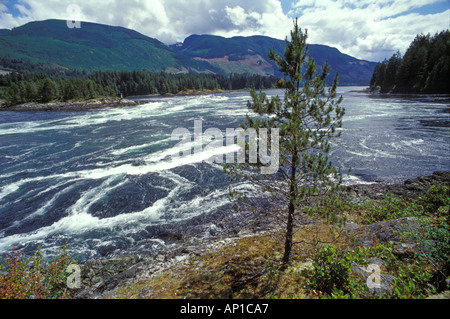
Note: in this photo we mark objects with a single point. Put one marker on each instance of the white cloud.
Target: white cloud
(366, 29)
(371, 30)
(167, 20)
(236, 15)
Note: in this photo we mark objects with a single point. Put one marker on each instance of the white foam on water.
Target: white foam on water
(15, 186)
(78, 218)
(9, 189)
(412, 143)
(138, 147)
(88, 119)
(367, 154)
(152, 163)
(353, 180)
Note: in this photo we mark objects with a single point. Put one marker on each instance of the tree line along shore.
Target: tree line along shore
(40, 87)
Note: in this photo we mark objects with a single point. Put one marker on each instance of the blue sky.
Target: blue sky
(367, 29)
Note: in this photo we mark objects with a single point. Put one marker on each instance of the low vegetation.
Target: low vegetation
(324, 258)
(23, 277)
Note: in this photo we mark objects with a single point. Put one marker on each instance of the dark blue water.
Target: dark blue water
(97, 179)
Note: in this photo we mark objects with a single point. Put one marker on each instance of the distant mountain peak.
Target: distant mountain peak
(241, 54)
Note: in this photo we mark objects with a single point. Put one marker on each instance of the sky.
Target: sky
(367, 29)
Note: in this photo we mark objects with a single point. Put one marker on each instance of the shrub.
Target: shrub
(437, 197)
(331, 275)
(391, 208)
(411, 282)
(330, 271)
(31, 278)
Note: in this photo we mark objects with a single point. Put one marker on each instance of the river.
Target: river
(98, 179)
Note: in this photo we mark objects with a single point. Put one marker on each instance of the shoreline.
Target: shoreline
(69, 106)
(133, 100)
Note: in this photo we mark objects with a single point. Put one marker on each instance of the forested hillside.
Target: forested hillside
(94, 47)
(249, 54)
(424, 68)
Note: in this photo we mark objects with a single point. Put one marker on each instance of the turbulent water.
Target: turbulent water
(97, 180)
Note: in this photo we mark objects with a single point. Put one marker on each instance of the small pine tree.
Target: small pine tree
(307, 118)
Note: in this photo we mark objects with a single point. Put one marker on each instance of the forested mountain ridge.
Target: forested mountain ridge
(424, 68)
(250, 54)
(96, 47)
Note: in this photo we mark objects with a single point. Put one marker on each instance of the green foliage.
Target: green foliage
(411, 282)
(32, 278)
(433, 241)
(331, 269)
(142, 82)
(331, 275)
(437, 197)
(391, 208)
(351, 70)
(50, 89)
(423, 69)
(93, 47)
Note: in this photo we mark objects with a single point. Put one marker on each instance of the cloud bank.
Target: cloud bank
(371, 30)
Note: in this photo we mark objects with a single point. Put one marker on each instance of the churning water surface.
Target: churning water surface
(97, 179)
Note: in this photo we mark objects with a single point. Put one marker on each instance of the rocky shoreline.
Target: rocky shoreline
(102, 277)
(70, 106)
(100, 103)
(410, 188)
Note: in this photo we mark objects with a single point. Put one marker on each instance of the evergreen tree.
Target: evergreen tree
(48, 90)
(306, 118)
(390, 73)
(377, 80)
(31, 91)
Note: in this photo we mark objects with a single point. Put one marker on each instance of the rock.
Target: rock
(411, 188)
(145, 293)
(95, 274)
(383, 232)
(220, 228)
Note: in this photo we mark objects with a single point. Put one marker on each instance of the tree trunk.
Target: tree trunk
(289, 233)
(291, 210)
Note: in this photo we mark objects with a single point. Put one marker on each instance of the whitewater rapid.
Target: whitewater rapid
(100, 181)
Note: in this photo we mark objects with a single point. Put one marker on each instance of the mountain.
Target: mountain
(94, 47)
(101, 47)
(249, 54)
